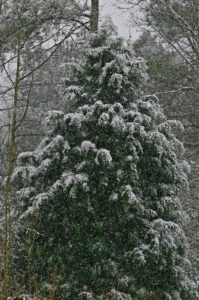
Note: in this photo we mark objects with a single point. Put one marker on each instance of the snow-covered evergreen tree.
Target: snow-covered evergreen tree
(99, 196)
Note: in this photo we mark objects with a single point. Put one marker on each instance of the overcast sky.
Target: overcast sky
(119, 18)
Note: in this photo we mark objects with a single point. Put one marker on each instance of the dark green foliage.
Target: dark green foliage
(110, 74)
(105, 214)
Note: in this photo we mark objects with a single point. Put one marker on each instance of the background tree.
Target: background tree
(107, 177)
(174, 21)
(27, 28)
(94, 15)
(40, 28)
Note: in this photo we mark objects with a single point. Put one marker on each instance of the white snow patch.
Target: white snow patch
(74, 119)
(118, 124)
(87, 146)
(104, 119)
(103, 155)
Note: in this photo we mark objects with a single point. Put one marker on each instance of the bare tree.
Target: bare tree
(175, 22)
(38, 30)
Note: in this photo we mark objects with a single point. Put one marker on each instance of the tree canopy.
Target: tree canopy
(99, 206)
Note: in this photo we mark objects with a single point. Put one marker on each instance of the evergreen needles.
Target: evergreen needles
(100, 215)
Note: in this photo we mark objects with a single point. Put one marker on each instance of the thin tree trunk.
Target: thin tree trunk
(94, 19)
(12, 152)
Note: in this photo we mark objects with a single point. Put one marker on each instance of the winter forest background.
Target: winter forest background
(99, 141)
